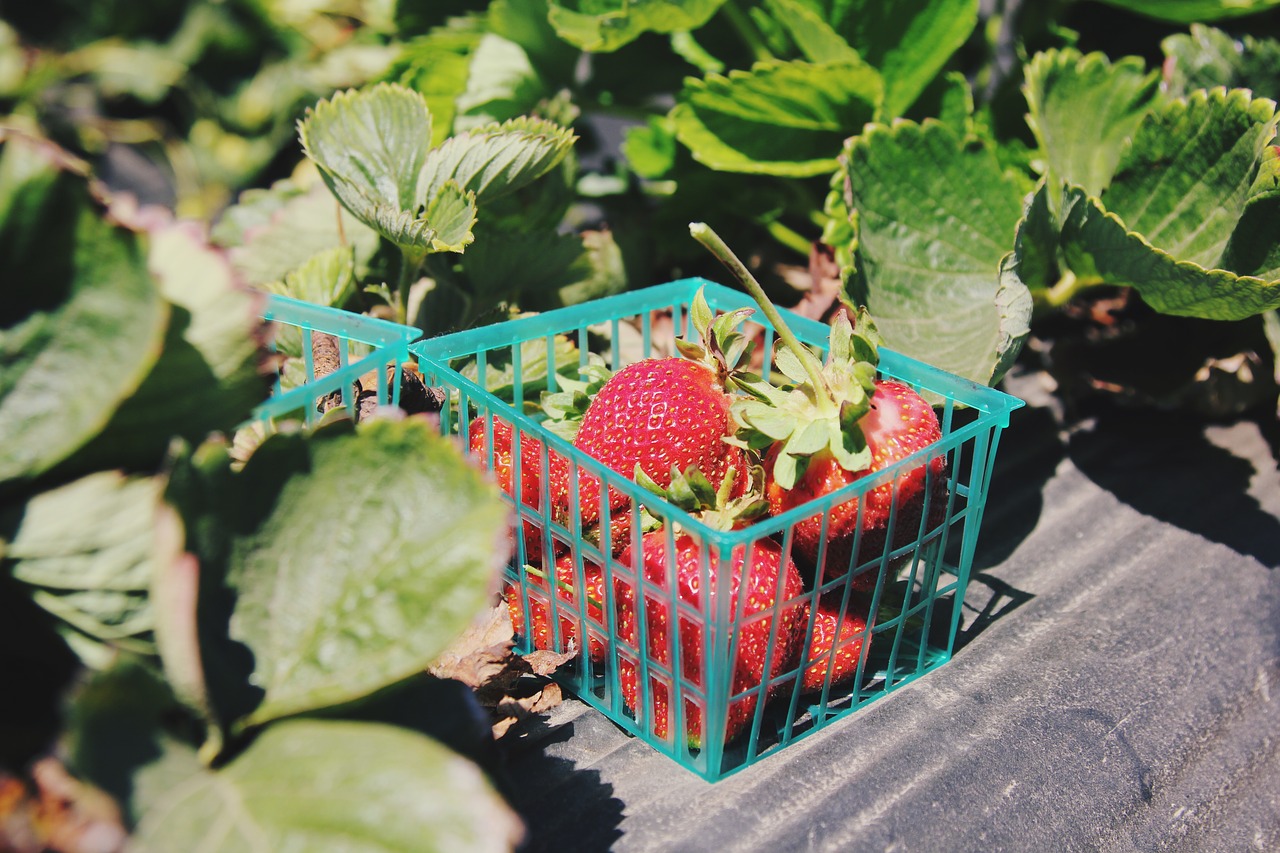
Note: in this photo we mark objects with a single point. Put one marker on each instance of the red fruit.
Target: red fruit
(754, 637)
(542, 636)
(657, 413)
(833, 634)
(503, 467)
(900, 423)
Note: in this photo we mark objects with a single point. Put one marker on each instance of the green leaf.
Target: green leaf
(779, 118)
(1207, 57)
(1098, 245)
(452, 213)
(1035, 245)
(496, 159)
(85, 548)
(82, 322)
(274, 232)
(327, 278)
(1254, 248)
(313, 784)
(502, 85)
(334, 598)
(949, 99)
(1062, 86)
(207, 378)
(499, 377)
(908, 42)
(817, 40)
(114, 728)
(437, 66)
(936, 216)
(371, 147)
(1184, 181)
(650, 149)
(603, 26)
(1190, 11)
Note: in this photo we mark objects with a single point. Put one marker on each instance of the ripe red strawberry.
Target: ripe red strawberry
(767, 572)
(542, 637)
(656, 413)
(835, 424)
(660, 414)
(503, 467)
(899, 423)
(833, 634)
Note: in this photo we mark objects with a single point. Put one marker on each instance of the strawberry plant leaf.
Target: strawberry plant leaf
(1035, 244)
(1061, 86)
(370, 147)
(1184, 180)
(85, 551)
(304, 783)
(496, 159)
(949, 311)
(817, 40)
(271, 233)
(1098, 245)
(779, 118)
(909, 43)
(82, 322)
(1254, 248)
(437, 66)
(327, 278)
(1207, 57)
(603, 26)
(1190, 11)
(502, 85)
(452, 213)
(207, 377)
(334, 607)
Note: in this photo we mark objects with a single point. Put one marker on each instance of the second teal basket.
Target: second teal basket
(677, 689)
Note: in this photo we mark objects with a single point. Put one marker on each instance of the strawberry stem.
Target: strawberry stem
(704, 234)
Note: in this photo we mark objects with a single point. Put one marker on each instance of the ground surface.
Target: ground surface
(1117, 686)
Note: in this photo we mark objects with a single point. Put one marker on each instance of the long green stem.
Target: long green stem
(789, 237)
(746, 30)
(703, 233)
(410, 265)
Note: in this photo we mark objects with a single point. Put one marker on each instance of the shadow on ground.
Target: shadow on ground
(1162, 465)
(565, 807)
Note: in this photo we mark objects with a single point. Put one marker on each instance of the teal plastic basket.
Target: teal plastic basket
(365, 345)
(684, 686)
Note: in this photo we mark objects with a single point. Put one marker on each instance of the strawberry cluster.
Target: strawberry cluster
(729, 449)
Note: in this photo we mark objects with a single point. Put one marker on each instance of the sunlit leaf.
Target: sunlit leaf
(1099, 245)
(313, 784)
(82, 321)
(371, 146)
(936, 217)
(356, 557)
(601, 26)
(779, 118)
(1207, 57)
(1062, 86)
(1184, 181)
(496, 159)
(1190, 11)
(908, 42)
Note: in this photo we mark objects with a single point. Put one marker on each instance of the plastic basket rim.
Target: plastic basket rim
(439, 350)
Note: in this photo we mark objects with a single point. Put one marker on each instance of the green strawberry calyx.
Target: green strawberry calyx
(717, 341)
(565, 407)
(691, 491)
(818, 410)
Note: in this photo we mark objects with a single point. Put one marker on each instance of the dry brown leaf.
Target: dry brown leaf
(482, 653)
